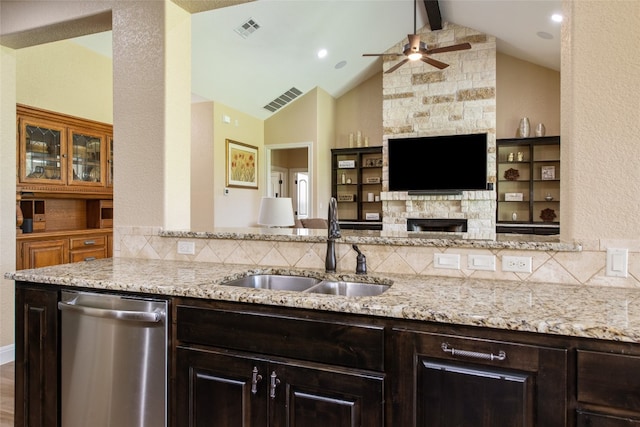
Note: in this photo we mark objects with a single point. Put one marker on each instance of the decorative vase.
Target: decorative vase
(525, 127)
(540, 130)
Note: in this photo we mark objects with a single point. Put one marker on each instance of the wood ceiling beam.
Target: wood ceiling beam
(433, 14)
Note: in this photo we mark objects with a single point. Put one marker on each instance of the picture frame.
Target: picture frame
(242, 165)
(548, 173)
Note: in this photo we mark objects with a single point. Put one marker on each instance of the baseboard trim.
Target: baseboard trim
(7, 354)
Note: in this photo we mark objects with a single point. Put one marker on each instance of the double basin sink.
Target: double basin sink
(283, 282)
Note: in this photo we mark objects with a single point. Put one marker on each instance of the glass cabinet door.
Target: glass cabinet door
(42, 149)
(86, 154)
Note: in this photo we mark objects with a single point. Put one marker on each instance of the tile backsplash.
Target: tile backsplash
(586, 267)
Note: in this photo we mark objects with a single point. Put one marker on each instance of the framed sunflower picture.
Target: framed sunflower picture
(242, 165)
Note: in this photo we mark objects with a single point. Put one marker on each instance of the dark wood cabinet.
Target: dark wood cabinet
(243, 364)
(36, 380)
(446, 380)
(228, 389)
(608, 389)
(261, 369)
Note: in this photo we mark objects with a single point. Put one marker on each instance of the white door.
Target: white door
(278, 186)
(300, 193)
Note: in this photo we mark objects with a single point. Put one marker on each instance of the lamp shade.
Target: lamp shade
(276, 212)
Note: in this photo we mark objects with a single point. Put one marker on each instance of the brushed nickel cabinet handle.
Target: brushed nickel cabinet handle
(274, 383)
(89, 242)
(255, 379)
(90, 258)
(473, 354)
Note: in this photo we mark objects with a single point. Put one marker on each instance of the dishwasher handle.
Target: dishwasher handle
(135, 316)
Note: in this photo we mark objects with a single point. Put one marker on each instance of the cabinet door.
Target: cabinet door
(87, 155)
(322, 397)
(443, 380)
(41, 152)
(36, 385)
(45, 253)
(218, 389)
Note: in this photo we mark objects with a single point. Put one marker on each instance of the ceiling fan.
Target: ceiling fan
(417, 50)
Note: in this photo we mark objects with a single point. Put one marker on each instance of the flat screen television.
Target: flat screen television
(438, 164)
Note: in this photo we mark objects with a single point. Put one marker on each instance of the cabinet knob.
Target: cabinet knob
(255, 379)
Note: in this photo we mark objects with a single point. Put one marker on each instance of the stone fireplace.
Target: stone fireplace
(420, 100)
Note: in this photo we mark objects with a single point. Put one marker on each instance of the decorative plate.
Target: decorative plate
(547, 215)
(511, 174)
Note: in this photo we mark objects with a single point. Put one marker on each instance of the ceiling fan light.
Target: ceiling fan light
(414, 56)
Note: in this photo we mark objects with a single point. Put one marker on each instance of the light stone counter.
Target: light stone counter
(581, 311)
(372, 237)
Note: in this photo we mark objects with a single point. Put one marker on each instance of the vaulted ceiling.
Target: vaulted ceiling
(279, 50)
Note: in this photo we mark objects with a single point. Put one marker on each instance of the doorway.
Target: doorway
(289, 174)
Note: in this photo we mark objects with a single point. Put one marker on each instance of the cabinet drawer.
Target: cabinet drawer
(87, 241)
(609, 379)
(88, 254)
(344, 344)
(481, 351)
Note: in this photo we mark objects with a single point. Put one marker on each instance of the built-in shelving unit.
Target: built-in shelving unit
(356, 182)
(528, 187)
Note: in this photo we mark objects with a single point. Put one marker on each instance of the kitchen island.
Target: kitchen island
(541, 354)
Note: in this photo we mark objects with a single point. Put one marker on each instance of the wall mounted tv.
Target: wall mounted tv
(438, 164)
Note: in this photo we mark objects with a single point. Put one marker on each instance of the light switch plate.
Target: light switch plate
(481, 262)
(449, 261)
(617, 262)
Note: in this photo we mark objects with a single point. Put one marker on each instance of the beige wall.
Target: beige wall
(524, 89)
(601, 123)
(202, 166)
(239, 208)
(66, 78)
(360, 109)
(7, 194)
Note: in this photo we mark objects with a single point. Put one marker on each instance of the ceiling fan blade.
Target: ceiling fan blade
(461, 46)
(398, 65)
(435, 63)
(382, 54)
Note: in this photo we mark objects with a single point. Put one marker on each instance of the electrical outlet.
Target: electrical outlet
(186, 248)
(448, 261)
(516, 264)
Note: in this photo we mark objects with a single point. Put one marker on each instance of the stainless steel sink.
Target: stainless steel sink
(349, 289)
(275, 281)
(283, 282)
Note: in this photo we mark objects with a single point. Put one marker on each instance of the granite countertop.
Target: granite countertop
(375, 237)
(580, 311)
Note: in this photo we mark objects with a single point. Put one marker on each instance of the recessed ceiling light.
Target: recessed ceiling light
(556, 17)
(340, 64)
(544, 35)
(322, 53)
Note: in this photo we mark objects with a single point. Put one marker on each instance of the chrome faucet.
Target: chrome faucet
(333, 233)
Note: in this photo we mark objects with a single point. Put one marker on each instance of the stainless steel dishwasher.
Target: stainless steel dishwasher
(113, 361)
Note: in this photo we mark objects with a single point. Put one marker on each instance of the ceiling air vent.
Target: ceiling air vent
(247, 28)
(283, 99)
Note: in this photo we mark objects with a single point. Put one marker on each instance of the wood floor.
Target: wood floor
(6, 394)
